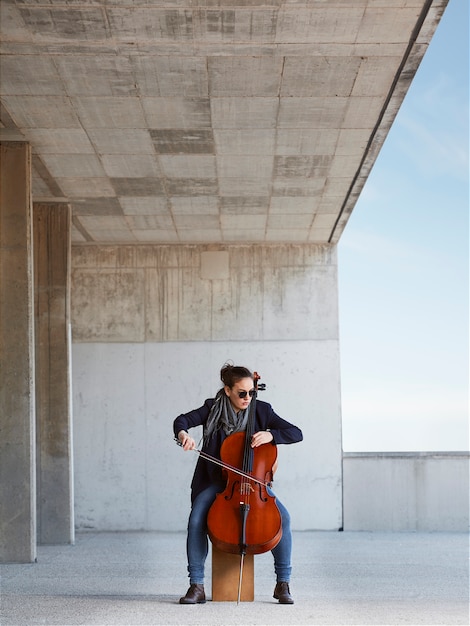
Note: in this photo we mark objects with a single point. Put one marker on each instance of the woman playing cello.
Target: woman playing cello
(220, 417)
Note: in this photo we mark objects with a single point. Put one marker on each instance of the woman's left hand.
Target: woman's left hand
(262, 436)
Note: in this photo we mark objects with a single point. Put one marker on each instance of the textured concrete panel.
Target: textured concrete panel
(298, 186)
(336, 186)
(229, 25)
(352, 141)
(319, 76)
(195, 222)
(344, 167)
(128, 24)
(374, 77)
(251, 187)
(42, 112)
(170, 76)
(110, 229)
(247, 167)
(245, 142)
(146, 205)
(10, 14)
(149, 222)
(321, 23)
(324, 220)
(191, 186)
(215, 265)
(101, 75)
(80, 165)
(297, 205)
(250, 222)
(361, 111)
(160, 235)
(244, 76)
(293, 141)
(60, 141)
(239, 205)
(312, 112)
(389, 25)
(130, 166)
(294, 220)
(108, 305)
(189, 166)
(308, 166)
(206, 235)
(110, 112)
(175, 141)
(97, 207)
(244, 112)
(177, 112)
(142, 186)
(126, 141)
(199, 205)
(95, 187)
(289, 235)
(66, 22)
(40, 76)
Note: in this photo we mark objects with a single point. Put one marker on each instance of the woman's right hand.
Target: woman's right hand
(187, 442)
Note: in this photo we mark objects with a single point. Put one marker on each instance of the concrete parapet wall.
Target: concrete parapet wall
(415, 491)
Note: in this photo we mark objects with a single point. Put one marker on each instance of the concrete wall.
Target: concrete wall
(427, 491)
(152, 326)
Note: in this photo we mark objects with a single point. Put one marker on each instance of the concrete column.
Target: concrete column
(17, 431)
(52, 245)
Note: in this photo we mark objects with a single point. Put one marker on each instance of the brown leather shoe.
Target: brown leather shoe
(282, 593)
(194, 595)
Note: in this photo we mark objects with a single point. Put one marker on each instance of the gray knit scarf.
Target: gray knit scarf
(222, 415)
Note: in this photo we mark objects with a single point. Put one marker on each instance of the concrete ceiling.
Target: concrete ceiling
(200, 121)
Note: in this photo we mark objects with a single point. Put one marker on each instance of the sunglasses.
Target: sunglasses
(243, 394)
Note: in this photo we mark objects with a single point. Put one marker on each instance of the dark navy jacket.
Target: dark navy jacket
(206, 472)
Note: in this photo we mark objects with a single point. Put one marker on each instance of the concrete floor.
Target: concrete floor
(339, 578)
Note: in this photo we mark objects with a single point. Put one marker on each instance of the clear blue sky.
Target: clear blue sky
(403, 267)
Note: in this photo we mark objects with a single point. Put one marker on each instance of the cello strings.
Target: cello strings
(212, 459)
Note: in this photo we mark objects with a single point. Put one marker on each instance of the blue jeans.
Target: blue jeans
(197, 544)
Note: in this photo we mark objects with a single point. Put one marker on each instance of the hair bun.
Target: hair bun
(230, 373)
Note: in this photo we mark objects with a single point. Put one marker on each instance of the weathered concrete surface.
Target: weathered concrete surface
(52, 245)
(400, 491)
(17, 439)
(156, 350)
(197, 122)
(161, 293)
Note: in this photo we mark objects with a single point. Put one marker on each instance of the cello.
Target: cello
(244, 518)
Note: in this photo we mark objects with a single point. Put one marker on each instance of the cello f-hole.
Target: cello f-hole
(260, 491)
(230, 495)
